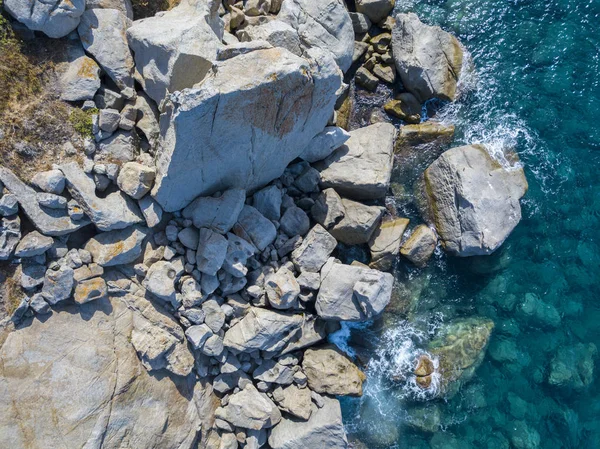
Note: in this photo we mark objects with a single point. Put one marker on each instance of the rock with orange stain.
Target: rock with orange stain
(90, 290)
(117, 247)
(81, 80)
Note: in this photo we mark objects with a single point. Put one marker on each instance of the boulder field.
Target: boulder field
(175, 286)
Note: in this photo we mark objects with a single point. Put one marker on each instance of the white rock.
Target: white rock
(151, 210)
(58, 284)
(251, 409)
(55, 18)
(376, 10)
(160, 280)
(359, 223)
(81, 80)
(325, 143)
(275, 32)
(10, 234)
(211, 251)
(51, 181)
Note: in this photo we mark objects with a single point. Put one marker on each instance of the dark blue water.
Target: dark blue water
(536, 89)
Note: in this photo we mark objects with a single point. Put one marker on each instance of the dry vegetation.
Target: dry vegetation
(10, 290)
(148, 8)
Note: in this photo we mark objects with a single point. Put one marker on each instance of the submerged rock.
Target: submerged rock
(428, 59)
(573, 366)
(472, 200)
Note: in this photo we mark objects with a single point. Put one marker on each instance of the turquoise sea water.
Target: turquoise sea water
(537, 88)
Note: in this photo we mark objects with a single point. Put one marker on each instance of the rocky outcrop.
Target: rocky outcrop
(428, 59)
(325, 25)
(55, 18)
(176, 49)
(216, 124)
(73, 382)
(472, 200)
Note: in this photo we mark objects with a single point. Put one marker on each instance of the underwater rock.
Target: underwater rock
(573, 366)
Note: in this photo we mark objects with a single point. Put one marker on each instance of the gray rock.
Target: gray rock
(189, 237)
(330, 371)
(428, 59)
(268, 202)
(366, 79)
(51, 181)
(51, 201)
(120, 146)
(81, 80)
(308, 182)
(214, 317)
(38, 305)
(10, 234)
(385, 243)
(108, 120)
(151, 211)
(376, 10)
(90, 290)
(294, 221)
(295, 401)
(33, 244)
(324, 429)
(282, 289)
(119, 247)
(216, 213)
(420, 245)
(309, 281)
(360, 22)
(325, 143)
(257, 7)
(273, 372)
(358, 224)
(263, 329)
(314, 250)
(213, 347)
(211, 251)
(32, 275)
(353, 293)
(197, 335)
(8, 205)
(58, 284)
(253, 227)
(362, 168)
(328, 209)
(87, 272)
(238, 253)
(102, 33)
(122, 5)
(313, 331)
(176, 49)
(472, 200)
(52, 222)
(55, 18)
(160, 280)
(324, 25)
(275, 32)
(115, 211)
(251, 409)
(250, 149)
(104, 366)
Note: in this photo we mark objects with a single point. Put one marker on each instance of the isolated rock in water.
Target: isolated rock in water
(55, 18)
(251, 409)
(275, 32)
(325, 25)
(117, 247)
(385, 243)
(119, 404)
(81, 80)
(314, 250)
(420, 245)
(460, 347)
(52, 222)
(115, 211)
(10, 234)
(573, 366)
(376, 10)
(353, 293)
(324, 429)
(102, 33)
(175, 50)
(135, 179)
(472, 200)
(253, 227)
(362, 167)
(428, 59)
(263, 329)
(358, 224)
(216, 124)
(217, 213)
(33, 244)
(330, 371)
(122, 5)
(325, 143)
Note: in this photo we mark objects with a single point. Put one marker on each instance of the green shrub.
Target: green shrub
(82, 121)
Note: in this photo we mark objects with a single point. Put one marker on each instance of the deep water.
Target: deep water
(536, 88)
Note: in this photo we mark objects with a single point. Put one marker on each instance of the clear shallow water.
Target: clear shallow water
(537, 89)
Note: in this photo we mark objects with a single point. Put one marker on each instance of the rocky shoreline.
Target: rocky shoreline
(182, 278)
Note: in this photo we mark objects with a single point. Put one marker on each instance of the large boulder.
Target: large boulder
(55, 18)
(375, 10)
(324, 429)
(102, 33)
(73, 382)
(352, 292)
(244, 124)
(362, 168)
(358, 223)
(176, 49)
(472, 200)
(324, 24)
(428, 59)
(250, 409)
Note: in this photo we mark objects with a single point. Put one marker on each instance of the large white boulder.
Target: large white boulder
(177, 48)
(244, 124)
(55, 18)
(472, 200)
(322, 24)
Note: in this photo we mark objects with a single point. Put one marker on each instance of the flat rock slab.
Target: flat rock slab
(117, 247)
(52, 222)
(116, 211)
(75, 381)
(361, 168)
